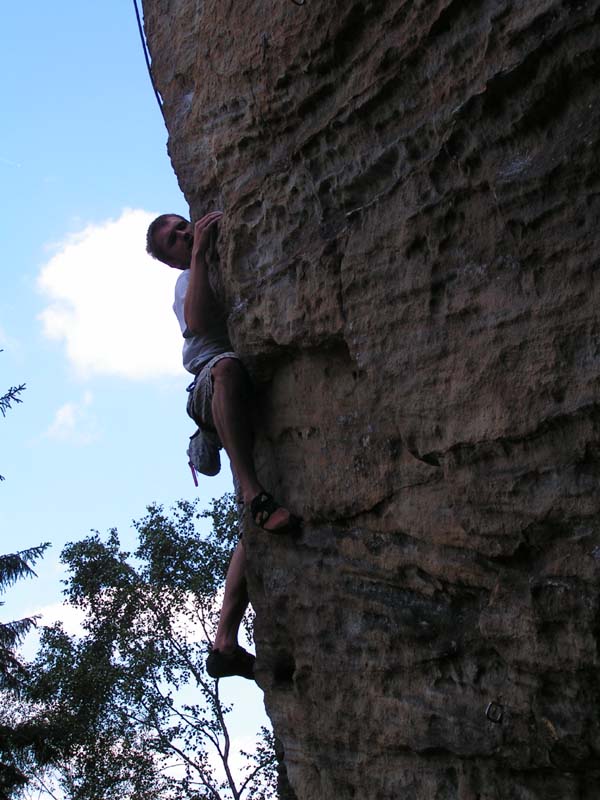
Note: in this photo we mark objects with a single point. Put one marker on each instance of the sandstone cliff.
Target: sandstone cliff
(410, 259)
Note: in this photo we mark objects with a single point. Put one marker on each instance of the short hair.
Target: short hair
(151, 246)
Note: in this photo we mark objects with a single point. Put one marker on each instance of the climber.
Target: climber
(221, 404)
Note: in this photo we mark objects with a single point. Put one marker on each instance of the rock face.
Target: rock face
(410, 260)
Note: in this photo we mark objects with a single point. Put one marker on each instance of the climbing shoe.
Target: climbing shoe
(225, 665)
(262, 509)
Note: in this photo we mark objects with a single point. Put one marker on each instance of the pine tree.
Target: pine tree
(13, 567)
(7, 400)
(18, 739)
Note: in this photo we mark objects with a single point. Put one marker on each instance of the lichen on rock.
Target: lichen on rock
(409, 256)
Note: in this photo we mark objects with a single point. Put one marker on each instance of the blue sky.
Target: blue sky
(85, 315)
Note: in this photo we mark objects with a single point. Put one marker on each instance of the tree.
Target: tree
(132, 712)
(12, 567)
(7, 400)
(18, 740)
(10, 397)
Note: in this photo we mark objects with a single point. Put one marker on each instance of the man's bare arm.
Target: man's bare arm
(200, 306)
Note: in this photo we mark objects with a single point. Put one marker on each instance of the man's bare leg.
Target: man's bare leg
(235, 602)
(227, 657)
(231, 415)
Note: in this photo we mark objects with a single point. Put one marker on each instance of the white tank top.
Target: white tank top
(197, 350)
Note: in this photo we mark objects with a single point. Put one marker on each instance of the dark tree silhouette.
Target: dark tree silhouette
(133, 713)
(8, 398)
(18, 739)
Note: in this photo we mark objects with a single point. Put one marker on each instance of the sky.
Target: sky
(86, 317)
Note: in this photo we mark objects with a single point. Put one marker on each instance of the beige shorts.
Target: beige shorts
(199, 405)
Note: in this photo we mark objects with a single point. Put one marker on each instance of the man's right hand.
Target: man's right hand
(199, 305)
(202, 233)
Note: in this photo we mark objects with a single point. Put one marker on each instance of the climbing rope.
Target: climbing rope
(147, 57)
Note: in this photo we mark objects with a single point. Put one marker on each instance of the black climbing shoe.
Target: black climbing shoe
(263, 507)
(225, 665)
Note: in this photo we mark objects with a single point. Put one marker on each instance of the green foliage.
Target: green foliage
(8, 398)
(130, 709)
(18, 738)
(12, 567)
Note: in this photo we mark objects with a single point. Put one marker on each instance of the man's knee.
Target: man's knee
(228, 370)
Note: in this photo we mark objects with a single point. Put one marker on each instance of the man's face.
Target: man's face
(174, 240)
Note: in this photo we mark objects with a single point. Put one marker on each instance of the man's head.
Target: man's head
(169, 239)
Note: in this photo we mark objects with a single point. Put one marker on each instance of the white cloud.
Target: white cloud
(70, 616)
(9, 343)
(111, 303)
(74, 422)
